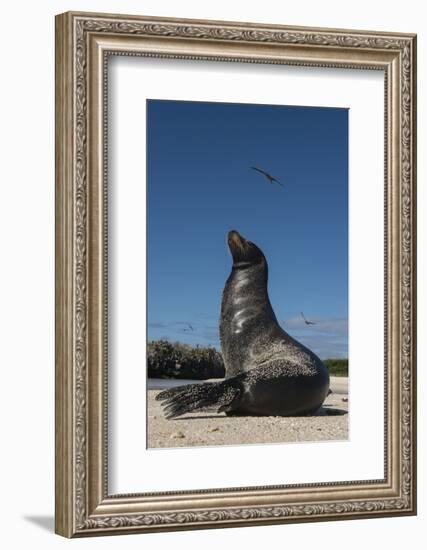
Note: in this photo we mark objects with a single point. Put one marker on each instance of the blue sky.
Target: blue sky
(200, 186)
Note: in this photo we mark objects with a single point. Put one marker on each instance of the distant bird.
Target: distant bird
(189, 329)
(269, 177)
(305, 320)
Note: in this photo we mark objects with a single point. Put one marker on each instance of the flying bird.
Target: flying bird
(189, 329)
(269, 177)
(305, 320)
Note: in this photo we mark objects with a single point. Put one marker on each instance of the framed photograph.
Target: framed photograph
(235, 274)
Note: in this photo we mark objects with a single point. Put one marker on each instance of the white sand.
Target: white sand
(201, 429)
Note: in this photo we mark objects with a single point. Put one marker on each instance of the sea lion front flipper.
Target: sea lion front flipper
(198, 397)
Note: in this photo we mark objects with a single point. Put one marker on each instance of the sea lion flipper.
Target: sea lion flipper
(171, 392)
(198, 397)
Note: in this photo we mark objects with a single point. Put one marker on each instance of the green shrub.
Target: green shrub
(337, 367)
(176, 360)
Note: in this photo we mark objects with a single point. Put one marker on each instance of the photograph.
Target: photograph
(247, 274)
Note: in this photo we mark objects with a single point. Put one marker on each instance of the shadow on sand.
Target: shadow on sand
(323, 411)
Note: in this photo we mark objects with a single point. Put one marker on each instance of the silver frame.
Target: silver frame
(83, 43)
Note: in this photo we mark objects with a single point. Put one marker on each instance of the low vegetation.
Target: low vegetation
(337, 367)
(175, 360)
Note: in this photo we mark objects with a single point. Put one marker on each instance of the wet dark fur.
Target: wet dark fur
(267, 371)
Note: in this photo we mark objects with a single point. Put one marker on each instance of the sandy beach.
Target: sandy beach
(203, 429)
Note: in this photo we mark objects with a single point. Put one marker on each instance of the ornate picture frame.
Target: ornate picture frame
(84, 506)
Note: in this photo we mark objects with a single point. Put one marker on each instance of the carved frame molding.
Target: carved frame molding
(83, 43)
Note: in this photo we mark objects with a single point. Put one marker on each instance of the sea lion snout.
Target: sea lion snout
(238, 246)
(235, 236)
(244, 252)
(235, 240)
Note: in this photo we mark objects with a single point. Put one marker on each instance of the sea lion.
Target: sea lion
(268, 373)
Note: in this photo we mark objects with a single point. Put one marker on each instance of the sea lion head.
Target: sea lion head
(245, 253)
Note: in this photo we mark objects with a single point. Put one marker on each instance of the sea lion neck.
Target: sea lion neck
(256, 271)
(245, 308)
(246, 285)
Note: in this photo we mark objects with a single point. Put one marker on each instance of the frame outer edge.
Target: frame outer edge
(414, 270)
(64, 237)
(233, 24)
(415, 245)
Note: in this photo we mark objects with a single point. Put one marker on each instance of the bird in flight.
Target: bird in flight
(305, 320)
(269, 177)
(189, 329)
